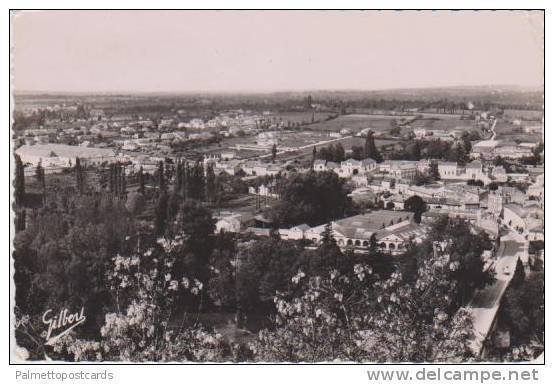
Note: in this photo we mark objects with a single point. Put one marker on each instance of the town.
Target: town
(301, 182)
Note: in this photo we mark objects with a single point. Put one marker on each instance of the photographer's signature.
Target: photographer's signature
(63, 320)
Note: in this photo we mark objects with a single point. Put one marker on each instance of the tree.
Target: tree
(358, 152)
(370, 150)
(460, 154)
(311, 198)
(353, 316)
(339, 154)
(434, 171)
(195, 181)
(161, 175)
(465, 248)
(519, 274)
(415, 150)
(394, 128)
(79, 175)
(160, 219)
(140, 327)
(265, 267)
(327, 256)
(273, 153)
(196, 223)
(211, 190)
(416, 205)
(39, 174)
(19, 182)
(141, 181)
(522, 313)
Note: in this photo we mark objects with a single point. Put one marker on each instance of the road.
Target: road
(318, 144)
(486, 301)
(493, 131)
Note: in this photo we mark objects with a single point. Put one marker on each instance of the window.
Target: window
(357, 243)
(392, 246)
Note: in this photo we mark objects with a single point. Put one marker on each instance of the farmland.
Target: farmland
(357, 122)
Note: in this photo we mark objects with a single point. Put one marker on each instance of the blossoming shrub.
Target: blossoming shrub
(355, 317)
(144, 327)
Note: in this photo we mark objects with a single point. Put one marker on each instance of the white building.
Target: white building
(63, 155)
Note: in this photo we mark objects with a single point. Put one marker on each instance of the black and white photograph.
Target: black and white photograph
(277, 186)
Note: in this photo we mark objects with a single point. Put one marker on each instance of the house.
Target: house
(227, 155)
(448, 169)
(399, 169)
(294, 233)
(228, 222)
(319, 165)
(230, 167)
(263, 190)
(484, 149)
(495, 202)
(420, 132)
(512, 150)
(474, 171)
(537, 188)
(499, 174)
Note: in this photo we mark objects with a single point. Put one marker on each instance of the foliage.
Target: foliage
(143, 328)
(311, 198)
(416, 205)
(333, 152)
(522, 311)
(355, 317)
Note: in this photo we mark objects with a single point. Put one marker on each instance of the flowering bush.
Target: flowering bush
(144, 328)
(355, 317)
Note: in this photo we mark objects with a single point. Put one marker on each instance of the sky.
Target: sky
(261, 51)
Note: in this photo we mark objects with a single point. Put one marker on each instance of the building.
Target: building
(263, 190)
(399, 169)
(348, 168)
(357, 232)
(228, 222)
(474, 171)
(294, 233)
(448, 170)
(62, 155)
(230, 167)
(495, 202)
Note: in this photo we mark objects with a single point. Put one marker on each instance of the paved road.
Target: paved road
(486, 301)
(490, 296)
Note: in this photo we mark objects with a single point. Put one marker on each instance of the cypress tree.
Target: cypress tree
(160, 220)
(370, 150)
(79, 176)
(123, 183)
(210, 184)
(161, 175)
(141, 180)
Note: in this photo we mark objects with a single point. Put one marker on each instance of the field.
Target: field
(508, 131)
(357, 122)
(303, 117)
(448, 123)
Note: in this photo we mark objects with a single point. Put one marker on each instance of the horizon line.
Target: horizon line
(275, 91)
